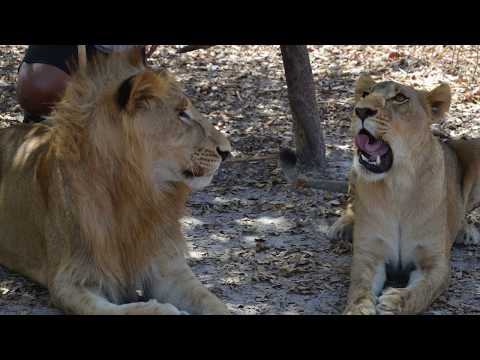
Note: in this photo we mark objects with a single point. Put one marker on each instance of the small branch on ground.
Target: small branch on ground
(188, 48)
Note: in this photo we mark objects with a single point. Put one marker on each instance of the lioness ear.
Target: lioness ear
(137, 90)
(363, 85)
(439, 100)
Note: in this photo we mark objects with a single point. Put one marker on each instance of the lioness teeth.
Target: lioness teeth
(370, 161)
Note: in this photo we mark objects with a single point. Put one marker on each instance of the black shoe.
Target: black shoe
(29, 118)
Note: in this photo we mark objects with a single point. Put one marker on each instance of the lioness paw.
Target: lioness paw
(392, 301)
(342, 229)
(363, 307)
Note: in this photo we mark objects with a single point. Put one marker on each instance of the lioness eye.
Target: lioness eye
(184, 116)
(400, 98)
(365, 94)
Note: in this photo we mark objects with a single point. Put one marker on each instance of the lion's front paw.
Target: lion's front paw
(342, 229)
(209, 304)
(364, 306)
(392, 301)
(216, 309)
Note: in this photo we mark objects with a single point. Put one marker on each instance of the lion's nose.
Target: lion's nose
(364, 113)
(224, 154)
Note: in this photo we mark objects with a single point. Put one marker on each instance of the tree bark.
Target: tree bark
(310, 146)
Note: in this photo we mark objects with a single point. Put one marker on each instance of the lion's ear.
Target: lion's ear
(363, 85)
(135, 56)
(162, 73)
(137, 90)
(439, 100)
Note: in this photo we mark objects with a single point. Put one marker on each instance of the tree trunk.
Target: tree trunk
(310, 146)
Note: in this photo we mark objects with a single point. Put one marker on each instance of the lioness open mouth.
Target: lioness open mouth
(374, 154)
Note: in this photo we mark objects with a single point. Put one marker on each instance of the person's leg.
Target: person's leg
(39, 86)
(42, 78)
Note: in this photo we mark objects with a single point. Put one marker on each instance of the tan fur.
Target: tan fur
(90, 201)
(407, 218)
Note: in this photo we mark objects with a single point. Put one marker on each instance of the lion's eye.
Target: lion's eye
(400, 98)
(365, 94)
(184, 116)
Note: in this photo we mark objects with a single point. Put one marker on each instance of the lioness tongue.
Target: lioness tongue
(377, 148)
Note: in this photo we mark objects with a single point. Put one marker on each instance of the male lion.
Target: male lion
(90, 203)
(411, 193)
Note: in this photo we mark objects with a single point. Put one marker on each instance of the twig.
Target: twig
(460, 49)
(453, 55)
(333, 102)
(476, 62)
(188, 48)
(274, 156)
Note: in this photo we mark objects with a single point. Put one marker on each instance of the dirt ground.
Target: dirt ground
(258, 243)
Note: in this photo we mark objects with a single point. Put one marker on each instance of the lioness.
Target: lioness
(90, 204)
(411, 193)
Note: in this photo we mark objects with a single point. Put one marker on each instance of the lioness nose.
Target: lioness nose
(223, 154)
(364, 113)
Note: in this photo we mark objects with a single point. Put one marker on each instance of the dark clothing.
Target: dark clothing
(64, 57)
